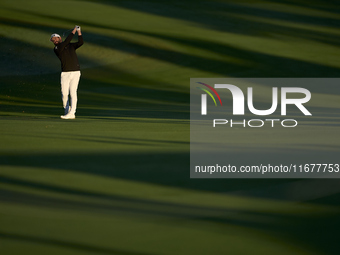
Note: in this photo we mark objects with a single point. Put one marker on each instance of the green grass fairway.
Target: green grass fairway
(116, 179)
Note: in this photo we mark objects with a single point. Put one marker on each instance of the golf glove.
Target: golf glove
(78, 28)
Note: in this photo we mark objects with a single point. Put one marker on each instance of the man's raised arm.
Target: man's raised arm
(80, 38)
(60, 47)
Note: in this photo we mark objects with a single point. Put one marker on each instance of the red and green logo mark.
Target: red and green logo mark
(209, 93)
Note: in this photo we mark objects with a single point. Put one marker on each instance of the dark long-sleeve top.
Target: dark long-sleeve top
(66, 52)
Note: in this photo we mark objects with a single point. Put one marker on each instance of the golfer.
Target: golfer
(70, 70)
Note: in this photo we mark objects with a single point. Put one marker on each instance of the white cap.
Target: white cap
(54, 35)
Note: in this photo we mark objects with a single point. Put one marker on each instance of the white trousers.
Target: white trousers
(69, 86)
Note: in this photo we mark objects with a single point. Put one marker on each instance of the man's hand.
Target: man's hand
(74, 30)
(78, 28)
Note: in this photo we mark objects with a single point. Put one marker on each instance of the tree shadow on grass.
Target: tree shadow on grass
(168, 168)
(243, 18)
(250, 63)
(97, 100)
(298, 229)
(79, 247)
(332, 6)
(171, 169)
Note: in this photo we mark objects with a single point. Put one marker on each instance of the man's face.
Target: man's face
(56, 40)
